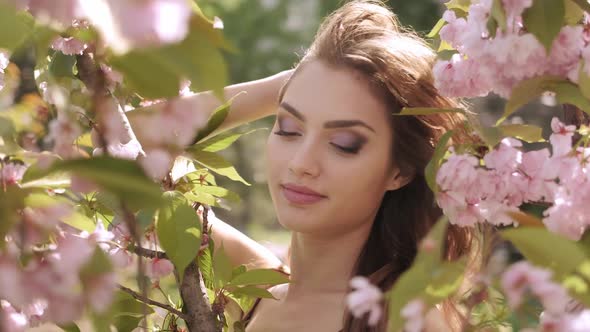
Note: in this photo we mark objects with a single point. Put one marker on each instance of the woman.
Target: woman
(346, 177)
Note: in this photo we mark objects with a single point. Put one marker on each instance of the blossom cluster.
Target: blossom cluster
(123, 25)
(46, 280)
(474, 190)
(498, 60)
(523, 278)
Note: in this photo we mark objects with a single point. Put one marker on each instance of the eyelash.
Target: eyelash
(351, 150)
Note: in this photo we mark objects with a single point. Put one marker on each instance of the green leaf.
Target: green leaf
(253, 291)
(157, 72)
(34, 178)
(202, 198)
(74, 219)
(200, 61)
(499, 15)
(217, 192)
(11, 201)
(145, 217)
(436, 161)
(584, 81)
(62, 65)
(215, 120)
(573, 13)
(238, 270)
(260, 277)
(15, 27)
(147, 72)
(80, 221)
(428, 111)
(220, 142)
(544, 20)
(179, 230)
(71, 327)
(583, 4)
(7, 129)
(458, 4)
(436, 29)
(446, 281)
(527, 90)
(527, 133)
(98, 264)
(217, 164)
(206, 30)
(429, 278)
(562, 255)
(127, 312)
(568, 93)
(222, 268)
(444, 46)
(123, 178)
(206, 266)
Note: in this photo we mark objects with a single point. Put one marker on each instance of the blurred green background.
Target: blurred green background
(271, 35)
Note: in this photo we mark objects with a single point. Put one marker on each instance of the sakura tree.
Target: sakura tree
(96, 225)
(101, 226)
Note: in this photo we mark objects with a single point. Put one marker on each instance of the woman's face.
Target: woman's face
(329, 152)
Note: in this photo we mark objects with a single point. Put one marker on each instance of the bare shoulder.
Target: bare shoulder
(435, 321)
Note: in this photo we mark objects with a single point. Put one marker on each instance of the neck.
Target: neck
(324, 264)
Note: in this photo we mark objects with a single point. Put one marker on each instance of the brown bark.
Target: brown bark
(199, 316)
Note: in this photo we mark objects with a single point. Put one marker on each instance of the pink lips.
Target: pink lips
(300, 195)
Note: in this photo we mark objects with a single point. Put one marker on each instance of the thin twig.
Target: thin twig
(147, 300)
(148, 253)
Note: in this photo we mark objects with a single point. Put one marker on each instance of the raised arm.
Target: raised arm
(253, 100)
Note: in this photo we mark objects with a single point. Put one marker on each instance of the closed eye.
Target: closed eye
(281, 132)
(347, 149)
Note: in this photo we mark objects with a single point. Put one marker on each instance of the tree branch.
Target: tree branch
(147, 300)
(197, 307)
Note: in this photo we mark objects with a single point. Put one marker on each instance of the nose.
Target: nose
(305, 160)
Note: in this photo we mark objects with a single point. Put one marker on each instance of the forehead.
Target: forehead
(322, 92)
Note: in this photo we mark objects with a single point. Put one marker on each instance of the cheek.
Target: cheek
(276, 159)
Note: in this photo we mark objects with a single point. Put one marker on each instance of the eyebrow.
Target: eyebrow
(330, 124)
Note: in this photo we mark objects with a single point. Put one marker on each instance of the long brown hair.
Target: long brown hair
(366, 37)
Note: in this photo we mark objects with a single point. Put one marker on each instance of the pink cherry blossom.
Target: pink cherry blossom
(121, 233)
(127, 24)
(561, 139)
(114, 127)
(4, 60)
(158, 268)
(12, 172)
(514, 9)
(10, 319)
(157, 163)
(69, 45)
(11, 279)
(523, 277)
(121, 258)
(455, 28)
(63, 132)
(365, 298)
(178, 113)
(460, 76)
(566, 52)
(61, 11)
(100, 290)
(506, 157)
(413, 313)
(459, 171)
(571, 322)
